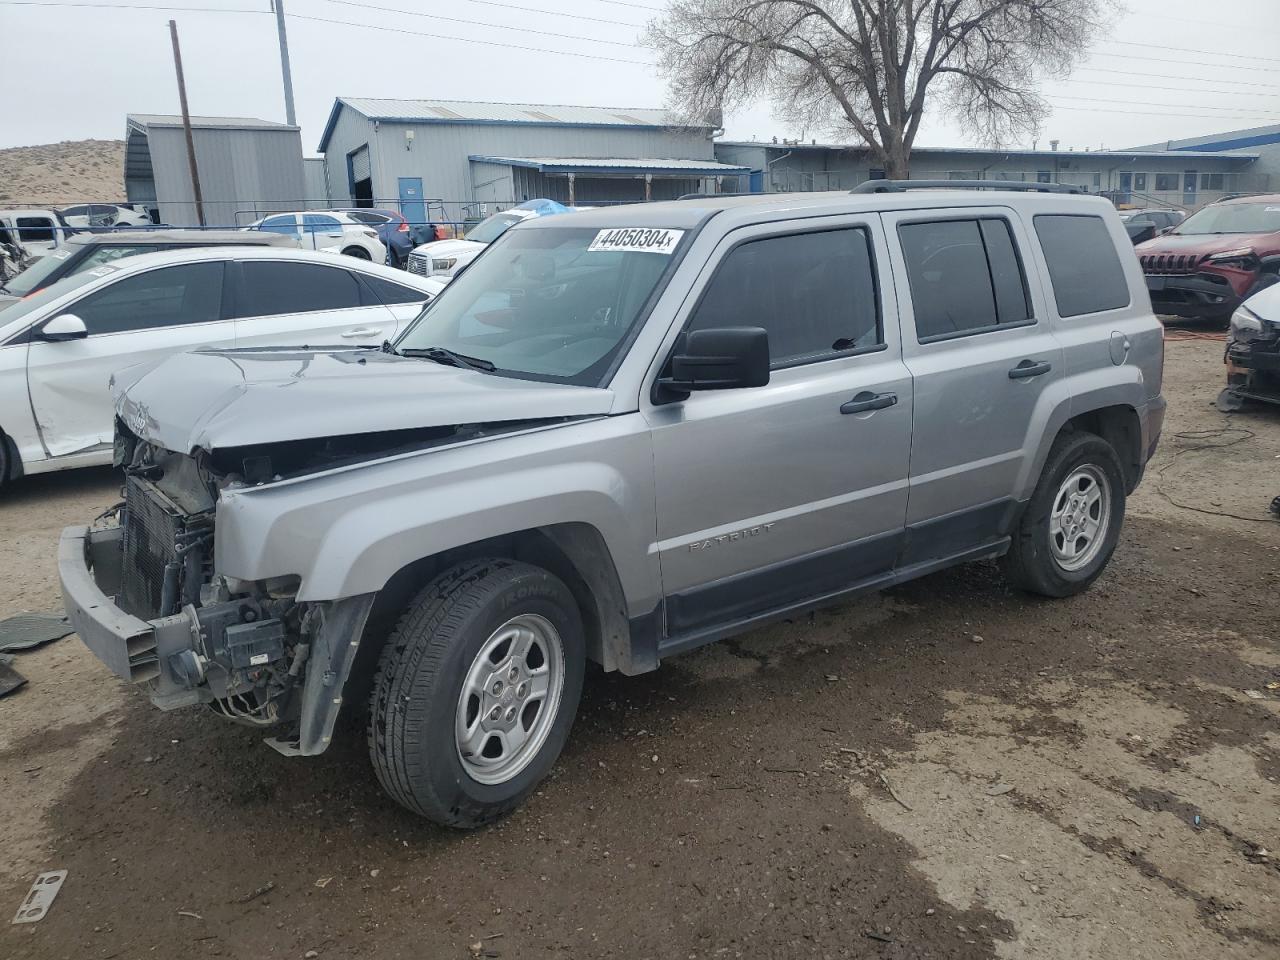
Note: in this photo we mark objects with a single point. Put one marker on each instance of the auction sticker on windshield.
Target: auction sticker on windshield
(636, 240)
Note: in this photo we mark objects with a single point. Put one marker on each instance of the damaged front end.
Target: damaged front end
(144, 596)
(1252, 356)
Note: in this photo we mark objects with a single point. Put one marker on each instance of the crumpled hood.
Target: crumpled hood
(1203, 244)
(215, 399)
(450, 248)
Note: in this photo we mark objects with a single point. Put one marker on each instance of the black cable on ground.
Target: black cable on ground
(1207, 436)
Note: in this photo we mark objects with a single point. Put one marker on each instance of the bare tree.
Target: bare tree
(874, 65)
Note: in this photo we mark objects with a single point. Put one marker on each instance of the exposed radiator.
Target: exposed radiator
(153, 525)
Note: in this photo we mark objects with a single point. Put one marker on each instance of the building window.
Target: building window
(1211, 181)
(1043, 176)
(1097, 181)
(1139, 181)
(1166, 182)
(876, 174)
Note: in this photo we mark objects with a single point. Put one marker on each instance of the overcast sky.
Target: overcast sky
(1167, 70)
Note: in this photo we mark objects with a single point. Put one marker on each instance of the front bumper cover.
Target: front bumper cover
(141, 651)
(89, 565)
(1191, 295)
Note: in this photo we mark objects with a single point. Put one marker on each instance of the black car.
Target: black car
(1144, 225)
(87, 250)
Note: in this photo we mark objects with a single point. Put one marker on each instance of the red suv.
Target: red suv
(1216, 258)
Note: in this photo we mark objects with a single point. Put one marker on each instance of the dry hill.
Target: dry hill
(59, 174)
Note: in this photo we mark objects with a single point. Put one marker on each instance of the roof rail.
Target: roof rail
(901, 186)
(712, 196)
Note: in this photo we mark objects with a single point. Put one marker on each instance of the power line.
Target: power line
(1143, 86)
(486, 43)
(638, 6)
(342, 23)
(1170, 76)
(552, 13)
(1149, 113)
(1209, 53)
(126, 6)
(477, 23)
(1173, 106)
(139, 6)
(1181, 63)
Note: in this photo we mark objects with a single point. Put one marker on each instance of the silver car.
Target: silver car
(618, 436)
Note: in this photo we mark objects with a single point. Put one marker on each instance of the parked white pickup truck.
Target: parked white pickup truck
(36, 232)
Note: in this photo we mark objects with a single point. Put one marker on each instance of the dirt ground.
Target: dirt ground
(947, 770)
(59, 174)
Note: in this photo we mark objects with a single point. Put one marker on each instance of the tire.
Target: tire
(360, 253)
(449, 637)
(1039, 558)
(6, 465)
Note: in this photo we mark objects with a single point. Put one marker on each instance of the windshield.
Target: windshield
(1233, 218)
(20, 309)
(547, 304)
(487, 231)
(36, 275)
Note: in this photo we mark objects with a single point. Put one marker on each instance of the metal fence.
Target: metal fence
(456, 216)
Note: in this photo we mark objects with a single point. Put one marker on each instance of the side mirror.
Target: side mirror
(65, 326)
(722, 359)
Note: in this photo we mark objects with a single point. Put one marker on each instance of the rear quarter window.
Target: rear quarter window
(1084, 267)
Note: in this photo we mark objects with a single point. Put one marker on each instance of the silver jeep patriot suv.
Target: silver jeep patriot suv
(618, 435)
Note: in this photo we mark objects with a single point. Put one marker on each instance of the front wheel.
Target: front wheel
(476, 690)
(1071, 525)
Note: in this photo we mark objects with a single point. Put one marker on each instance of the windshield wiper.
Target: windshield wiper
(448, 358)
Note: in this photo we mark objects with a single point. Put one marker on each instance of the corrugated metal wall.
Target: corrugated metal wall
(243, 174)
(439, 152)
(317, 186)
(351, 132)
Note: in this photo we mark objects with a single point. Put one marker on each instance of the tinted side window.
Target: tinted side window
(190, 293)
(815, 293)
(277, 286)
(386, 291)
(965, 276)
(35, 229)
(286, 225)
(315, 223)
(1083, 264)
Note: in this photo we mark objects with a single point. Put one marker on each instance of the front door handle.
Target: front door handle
(866, 400)
(361, 332)
(1030, 368)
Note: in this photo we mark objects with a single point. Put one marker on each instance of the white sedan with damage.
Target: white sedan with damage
(60, 347)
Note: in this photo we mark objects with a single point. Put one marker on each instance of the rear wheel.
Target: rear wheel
(476, 690)
(360, 253)
(1071, 526)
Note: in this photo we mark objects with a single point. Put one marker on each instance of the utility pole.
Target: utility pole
(285, 72)
(186, 122)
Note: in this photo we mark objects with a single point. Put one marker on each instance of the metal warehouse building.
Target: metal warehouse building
(454, 160)
(245, 165)
(1182, 176)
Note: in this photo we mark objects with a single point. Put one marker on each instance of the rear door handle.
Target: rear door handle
(1030, 368)
(361, 332)
(866, 400)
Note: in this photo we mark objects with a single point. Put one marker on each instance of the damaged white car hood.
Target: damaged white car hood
(216, 399)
